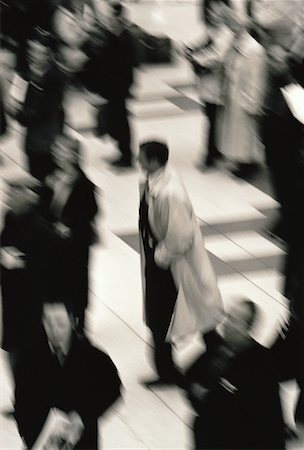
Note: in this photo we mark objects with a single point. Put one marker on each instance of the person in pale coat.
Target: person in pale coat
(181, 296)
(207, 59)
(245, 78)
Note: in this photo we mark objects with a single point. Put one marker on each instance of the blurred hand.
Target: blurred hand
(12, 258)
(74, 430)
(62, 230)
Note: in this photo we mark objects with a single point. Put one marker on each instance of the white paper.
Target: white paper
(294, 96)
(56, 424)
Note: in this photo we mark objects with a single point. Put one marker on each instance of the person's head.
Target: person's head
(65, 151)
(117, 11)
(152, 156)
(213, 11)
(239, 322)
(22, 193)
(58, 323)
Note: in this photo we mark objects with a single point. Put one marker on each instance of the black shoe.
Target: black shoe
(277, 231)
(122, 162)
(158, 382)
(246, 171)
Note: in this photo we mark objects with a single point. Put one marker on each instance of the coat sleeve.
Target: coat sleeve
(176, 217)
(252, 96)
(104, 388)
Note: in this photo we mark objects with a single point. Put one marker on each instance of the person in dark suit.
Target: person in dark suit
(68, 202)
(116, 80)
(64, 371)
(31, 258)
(234, 390)
(42, 112)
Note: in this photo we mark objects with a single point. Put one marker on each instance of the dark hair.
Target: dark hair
(155, 150)
(42, 36)
(118, 9)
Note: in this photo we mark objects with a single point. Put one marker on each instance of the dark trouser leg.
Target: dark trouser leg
(40, 164)
(89, 439)
(282, 138)
(161, 296)
(78, 284)
(162, 356)
(210, 339)
(210, 110)
(119, 128)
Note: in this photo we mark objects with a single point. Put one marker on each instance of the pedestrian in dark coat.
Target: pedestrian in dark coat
(234, 390)
(65, 372)
(68, 202)
(42, 112)
(31, 258)
(116, 77)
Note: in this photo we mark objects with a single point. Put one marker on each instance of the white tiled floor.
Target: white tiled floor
(160, 419)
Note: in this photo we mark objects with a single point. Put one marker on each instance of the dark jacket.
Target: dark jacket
(111, 64)
(42, 113)
(87, 383)
(22, 289)
(78, 212)
(242, 408)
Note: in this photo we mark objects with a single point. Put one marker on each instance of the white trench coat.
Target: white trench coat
(181, 247)
(244, 87)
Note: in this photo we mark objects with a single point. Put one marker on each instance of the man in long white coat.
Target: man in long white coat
(180, 289)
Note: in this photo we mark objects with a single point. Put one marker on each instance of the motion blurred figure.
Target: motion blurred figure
(65, 372)
(244, 88)
(68, 202)
(42, 112)
(31, 257)
(234, 390)
(180, 288)
(207, 60)
(116, 79)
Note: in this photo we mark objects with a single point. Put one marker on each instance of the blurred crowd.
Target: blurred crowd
(249, 73)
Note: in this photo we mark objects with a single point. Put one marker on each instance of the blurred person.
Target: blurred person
(285, 133)
(282, 133)
(115, 80)
(42, 113)
(234, 390)
(69, 20)
(207, 61)
(65, 372)
(181, 295)
(244, 87)
(68, 202)
(19, 18)
(7, 68)
(31, 257)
